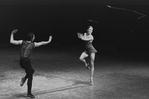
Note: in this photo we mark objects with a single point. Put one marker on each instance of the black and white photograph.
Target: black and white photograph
(74, 49)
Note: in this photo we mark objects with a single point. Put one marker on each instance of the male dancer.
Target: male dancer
(25, 52)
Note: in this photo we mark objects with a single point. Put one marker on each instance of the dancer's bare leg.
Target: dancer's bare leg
(92, 58)
(82, 58)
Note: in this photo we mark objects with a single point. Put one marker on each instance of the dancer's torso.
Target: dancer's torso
(89, 47)
(26, 49)
(88, 44)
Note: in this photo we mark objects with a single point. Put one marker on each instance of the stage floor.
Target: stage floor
(60, 75)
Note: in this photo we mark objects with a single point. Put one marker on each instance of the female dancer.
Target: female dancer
(25, 52)
(89, 50)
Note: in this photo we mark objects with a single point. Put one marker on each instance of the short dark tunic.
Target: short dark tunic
(89, 47)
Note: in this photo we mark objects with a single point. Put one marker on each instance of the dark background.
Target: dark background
(121, 64)
(117, 31)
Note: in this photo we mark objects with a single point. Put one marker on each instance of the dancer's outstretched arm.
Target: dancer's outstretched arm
(16, 42)
(37, 44)
(85, 37)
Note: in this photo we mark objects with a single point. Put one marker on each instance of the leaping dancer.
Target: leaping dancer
(89, 51)
(25, 52)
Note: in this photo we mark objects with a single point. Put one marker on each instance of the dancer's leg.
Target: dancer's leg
(92, 58)
(23, 80)
(82, 58)
(29, 85)
(30, 79)
(25, 64)
(22, 64)
(30, 72)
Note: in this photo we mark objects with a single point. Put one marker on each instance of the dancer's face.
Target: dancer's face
(90, 30)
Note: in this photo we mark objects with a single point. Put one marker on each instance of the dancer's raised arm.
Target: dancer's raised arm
(16, 42)
(37, 44)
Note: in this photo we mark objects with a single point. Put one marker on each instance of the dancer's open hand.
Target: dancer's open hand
(79, 35)
(50, 38)
(14, 31)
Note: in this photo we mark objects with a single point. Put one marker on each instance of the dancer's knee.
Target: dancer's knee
(81, 58)
(92, 63)
(30, 78)
(31, 72)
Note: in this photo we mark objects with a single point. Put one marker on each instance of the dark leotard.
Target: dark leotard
(89, 47)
